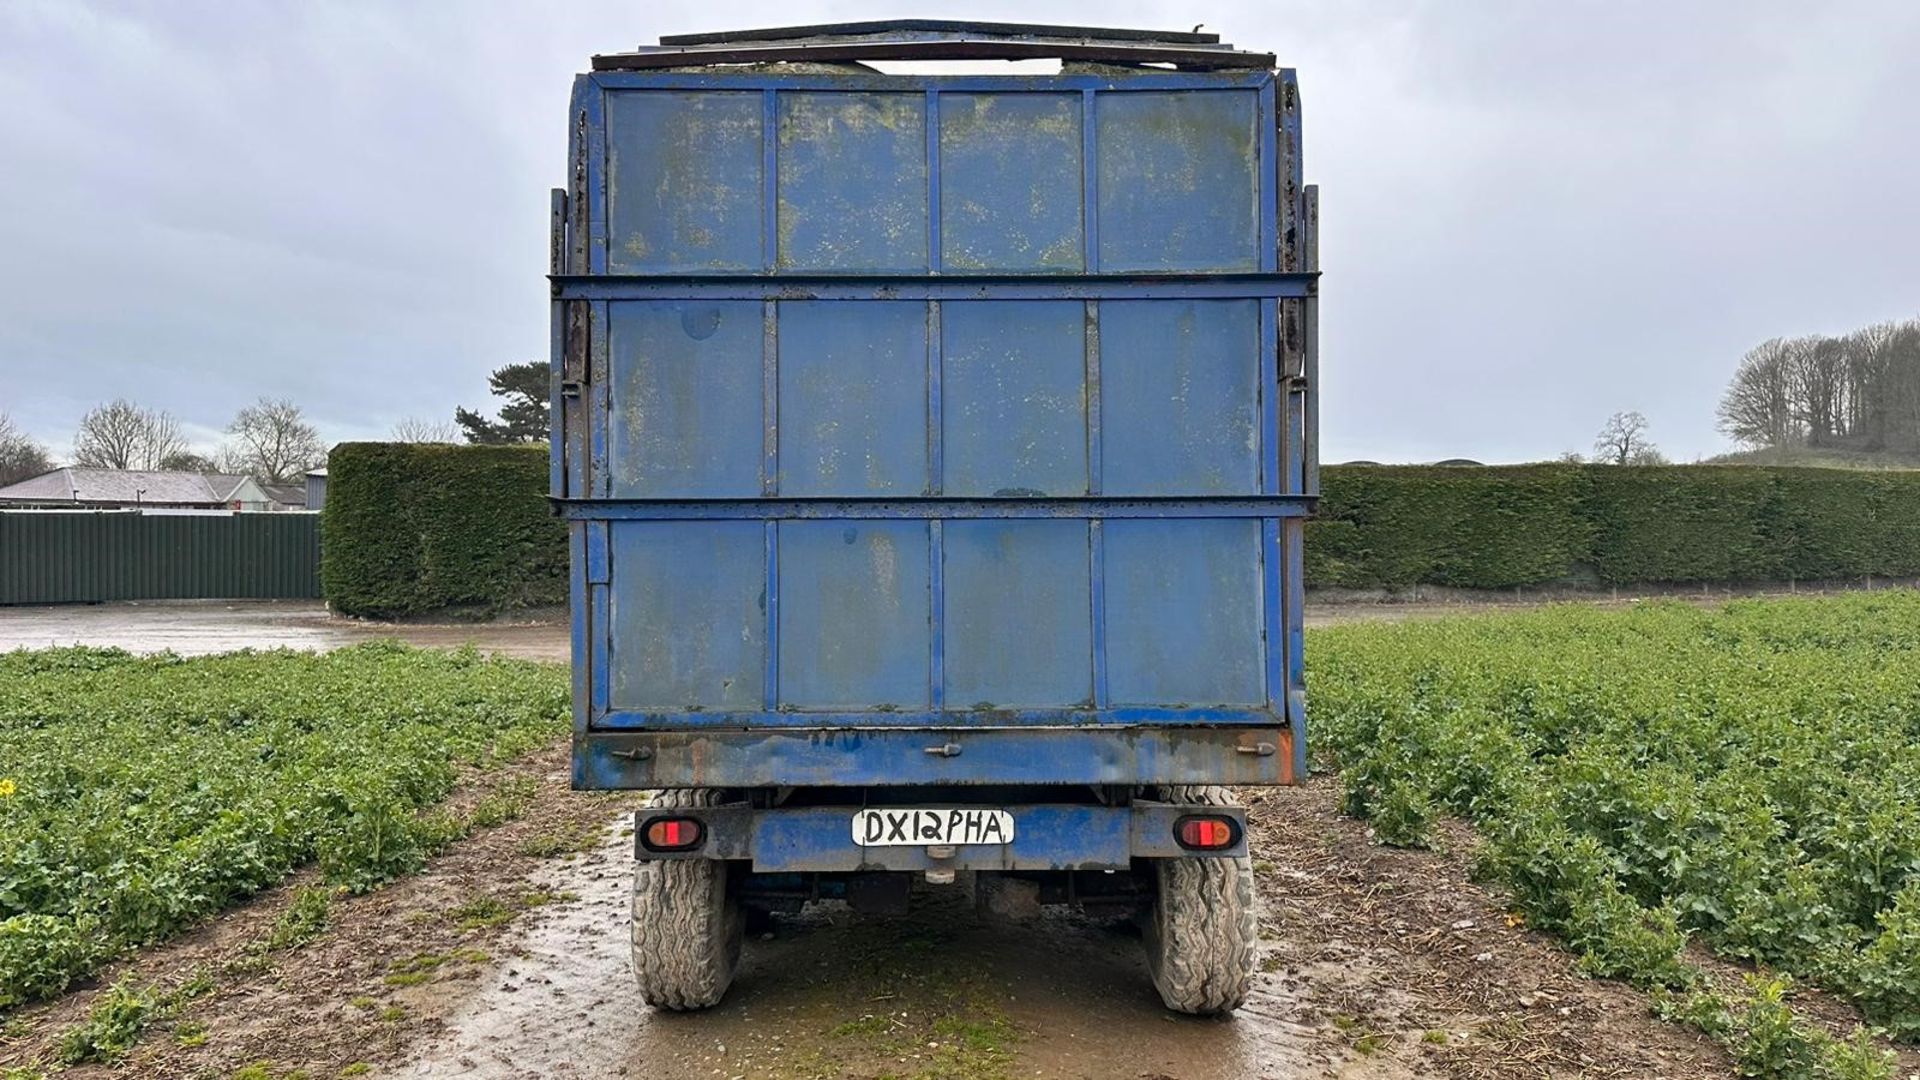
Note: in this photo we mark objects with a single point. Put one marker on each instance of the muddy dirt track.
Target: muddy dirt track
(506, 958)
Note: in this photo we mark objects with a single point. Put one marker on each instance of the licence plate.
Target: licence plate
(906, 827)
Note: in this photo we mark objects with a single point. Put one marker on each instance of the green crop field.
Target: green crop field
(1749, 777)
(140, 794)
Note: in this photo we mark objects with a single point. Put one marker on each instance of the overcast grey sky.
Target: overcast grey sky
(1534, 214)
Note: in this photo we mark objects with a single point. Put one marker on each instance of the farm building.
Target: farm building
(115, 488)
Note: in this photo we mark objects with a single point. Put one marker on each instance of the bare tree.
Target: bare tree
(189, 461)
(21, 456)
(1902, 387)
(273, 442)
(415, 430)
(1859, 391)
(1624, 442)
(122, 435)
(1757, 410)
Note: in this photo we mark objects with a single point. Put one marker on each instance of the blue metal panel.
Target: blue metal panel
(595, 478)
(1014, 437)
(1184, 613)
(1014, 409)
(580, 640)
(1018, 614)
(854, 615)
(683, 188)
(1010, 196)
(685, 406)
(1178, 181)
(590, 127)
(852, 182)
(937, 616)
(688, 615)
(853, 398)
(1180, 378)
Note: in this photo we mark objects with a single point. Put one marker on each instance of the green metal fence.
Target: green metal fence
(62, 557)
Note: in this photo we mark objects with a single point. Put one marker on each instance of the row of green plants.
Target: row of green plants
(1748, 777)
(140, 794)
(1602, 525)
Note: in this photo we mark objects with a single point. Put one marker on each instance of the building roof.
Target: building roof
(117, 486)
(286, 494)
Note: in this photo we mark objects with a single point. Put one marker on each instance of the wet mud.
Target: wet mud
(832, 993)
(201, 627)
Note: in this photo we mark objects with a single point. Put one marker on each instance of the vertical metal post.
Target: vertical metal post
(1089, 183)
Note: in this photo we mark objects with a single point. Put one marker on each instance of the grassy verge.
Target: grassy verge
(1748, 776)
(139, 795)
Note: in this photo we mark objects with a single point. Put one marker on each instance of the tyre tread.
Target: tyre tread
(686, 928)
(1203, 934)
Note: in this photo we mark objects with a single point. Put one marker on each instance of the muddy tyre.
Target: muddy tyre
(1202, 934)
(686, 924)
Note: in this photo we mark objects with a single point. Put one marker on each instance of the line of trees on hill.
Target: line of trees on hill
(1859, 391)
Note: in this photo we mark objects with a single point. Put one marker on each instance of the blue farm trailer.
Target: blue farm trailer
(935, 449)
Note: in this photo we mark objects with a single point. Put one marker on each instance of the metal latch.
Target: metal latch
(949, 750)
(1265, 749)
(570, 388)
(638, 753)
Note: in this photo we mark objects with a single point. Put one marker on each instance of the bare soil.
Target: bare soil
(1376, 963)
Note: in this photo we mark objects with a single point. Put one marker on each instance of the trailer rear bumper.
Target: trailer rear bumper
(820, 839)
(1134, 755)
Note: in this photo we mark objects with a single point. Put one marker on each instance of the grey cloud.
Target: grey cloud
(1534, 214)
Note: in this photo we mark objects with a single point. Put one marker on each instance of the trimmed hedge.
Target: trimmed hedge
(1509, 526)
(411, 528)
(1390, 526)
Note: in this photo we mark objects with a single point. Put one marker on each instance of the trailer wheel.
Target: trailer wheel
(1202, 934)
(686, 924)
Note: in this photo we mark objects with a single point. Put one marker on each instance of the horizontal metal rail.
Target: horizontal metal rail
(901, 28)
(1203, 57)
(934, 507)
(748, 78)
(945, 287)
(856, 757)
(960, 718)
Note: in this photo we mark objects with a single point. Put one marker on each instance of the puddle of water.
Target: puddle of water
(1077, 992)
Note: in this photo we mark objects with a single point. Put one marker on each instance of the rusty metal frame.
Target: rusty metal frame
(937, 39)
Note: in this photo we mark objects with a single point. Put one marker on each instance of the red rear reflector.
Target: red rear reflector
(1205, 833)
(673, 834)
